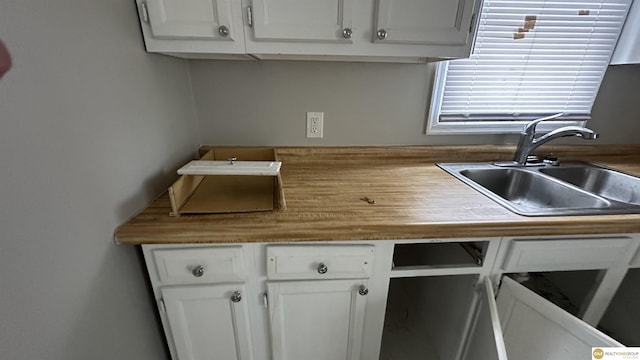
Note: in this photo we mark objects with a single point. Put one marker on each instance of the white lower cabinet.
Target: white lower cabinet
(636, 260)
(427, 317)
(431, 323)
(317, 319)
(209, 321)
(622, 318)
(610, 255)
(263, 302)
(451, 299)
(317, 300)
(485, 339)
(534, 328)
(556, 254)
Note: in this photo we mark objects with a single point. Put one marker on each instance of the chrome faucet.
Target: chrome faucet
(528, 142)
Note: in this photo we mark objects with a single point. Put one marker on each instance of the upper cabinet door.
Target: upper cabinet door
(194, 20)
(302, 20)
(534, 328)
(486, 339)
(209, 321)
(427, 22)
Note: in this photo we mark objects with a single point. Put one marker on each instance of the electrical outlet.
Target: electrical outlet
(315, 122)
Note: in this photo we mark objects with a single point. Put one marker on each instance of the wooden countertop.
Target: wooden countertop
(414, 199)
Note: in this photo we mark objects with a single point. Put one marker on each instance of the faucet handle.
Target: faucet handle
(530, 128)
(551, 159)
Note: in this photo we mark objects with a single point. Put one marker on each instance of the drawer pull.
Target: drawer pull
(198, 271)
(363, 290)
(236, 297)
(322, 268)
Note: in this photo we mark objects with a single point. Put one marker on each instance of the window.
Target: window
(531, 59)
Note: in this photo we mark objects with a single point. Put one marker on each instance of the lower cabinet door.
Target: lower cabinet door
(534, 328)
(486, 339)
(208, 322)
(317, 319)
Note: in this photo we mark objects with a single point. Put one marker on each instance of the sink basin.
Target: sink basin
(601, 181)
(572, 189)
(525, 189)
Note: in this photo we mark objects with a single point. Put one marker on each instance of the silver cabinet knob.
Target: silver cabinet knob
(346, 33)
(223, 31)
(363, 290)
(236, 297)
(382, 34)
(198, 271)
(322, 268)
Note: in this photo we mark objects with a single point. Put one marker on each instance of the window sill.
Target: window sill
(489, 127)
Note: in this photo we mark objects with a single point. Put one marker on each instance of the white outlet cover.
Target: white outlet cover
(315, 124)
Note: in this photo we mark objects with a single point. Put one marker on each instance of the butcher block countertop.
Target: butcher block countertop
(414, 199)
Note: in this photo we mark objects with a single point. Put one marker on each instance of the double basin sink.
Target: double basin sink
(572, 188)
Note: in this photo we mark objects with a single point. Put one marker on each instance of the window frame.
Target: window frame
(500, 126)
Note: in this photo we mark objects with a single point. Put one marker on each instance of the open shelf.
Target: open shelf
(426, 317)
(568, 290)
(425, 256)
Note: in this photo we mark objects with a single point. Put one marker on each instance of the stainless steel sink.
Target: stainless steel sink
(567, 189)
(609, 183)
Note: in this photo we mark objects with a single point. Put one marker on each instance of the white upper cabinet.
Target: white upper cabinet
(363, 30)
(193, 26)
(194, 19)
(302, 20)
(433, 22)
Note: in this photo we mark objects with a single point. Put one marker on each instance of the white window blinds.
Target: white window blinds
(533, 58)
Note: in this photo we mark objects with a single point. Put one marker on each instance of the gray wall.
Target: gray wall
(264, 103)
(91, 129)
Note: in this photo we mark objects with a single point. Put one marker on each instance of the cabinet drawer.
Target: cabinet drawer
(199, 265)
(319, 261)
(563, 254)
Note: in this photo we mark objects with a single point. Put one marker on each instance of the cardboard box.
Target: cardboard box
(209, 194)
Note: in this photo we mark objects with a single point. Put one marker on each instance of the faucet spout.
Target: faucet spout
(528, 142)
(579, 131)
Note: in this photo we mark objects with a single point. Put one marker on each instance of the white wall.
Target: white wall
(264, 103)
(91, 129)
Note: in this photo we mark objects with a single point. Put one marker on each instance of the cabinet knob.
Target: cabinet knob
(322, 268)
(382, 34)
(363, 290)
(223, 31)
(236, 297)
(198, 271)
(346, 33)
